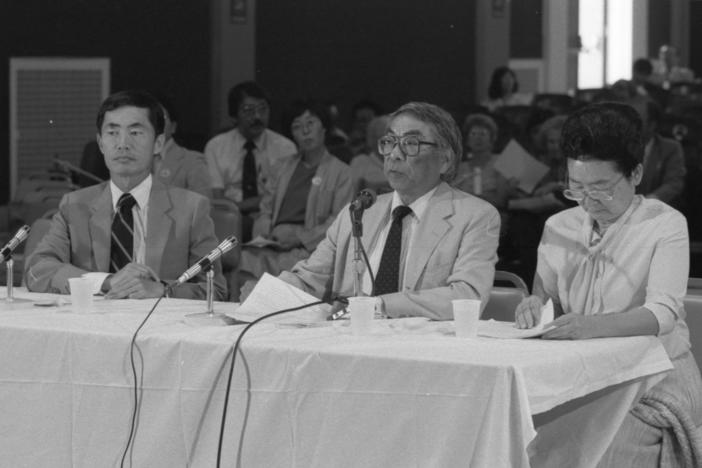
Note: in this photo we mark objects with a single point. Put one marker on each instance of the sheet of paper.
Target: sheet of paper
(516, 163)
(272, 294)
(260, 241)
(496, 329)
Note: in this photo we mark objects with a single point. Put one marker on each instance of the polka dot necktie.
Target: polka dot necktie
(387, 279)
(122, 244)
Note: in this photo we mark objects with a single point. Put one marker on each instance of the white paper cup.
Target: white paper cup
(362, 311)
(466, 313)
(81, 295)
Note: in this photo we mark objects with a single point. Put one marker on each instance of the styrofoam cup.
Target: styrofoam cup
(362, 311)
(466, 313)
(81, 295)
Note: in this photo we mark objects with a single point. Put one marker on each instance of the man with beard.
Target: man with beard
(240, 161)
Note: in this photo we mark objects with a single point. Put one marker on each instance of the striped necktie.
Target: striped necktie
(387, 280)
(122, 245)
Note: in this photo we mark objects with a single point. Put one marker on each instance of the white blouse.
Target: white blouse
(642, 260)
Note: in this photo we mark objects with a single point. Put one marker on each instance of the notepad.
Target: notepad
(506, 330)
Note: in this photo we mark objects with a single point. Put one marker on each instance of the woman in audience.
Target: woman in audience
(503, 90)
(477, 174)
(301, 199)
(367, 169)
(617, 265)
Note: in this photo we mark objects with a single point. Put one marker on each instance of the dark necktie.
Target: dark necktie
(387, 279)
(249, 178)
(122, 244)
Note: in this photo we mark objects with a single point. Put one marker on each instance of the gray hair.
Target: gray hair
(446, 132)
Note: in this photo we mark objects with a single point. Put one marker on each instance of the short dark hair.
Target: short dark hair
(299, 107)
(495, 88)
(134, 98)
(605, 131)
(642, 66)
(240, 92)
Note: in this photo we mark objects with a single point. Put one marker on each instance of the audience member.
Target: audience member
(641, 77)
(133, 229)
(503, 90)
(617, 265)
(177, 166)
(477, 175)
(663, 159)
(667, 69)
(241, 160)
(336, 139)
(361, 115)
(302, 198)
(427, 242)
(367, 169)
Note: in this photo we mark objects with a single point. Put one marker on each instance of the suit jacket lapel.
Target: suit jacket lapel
(282, 187)
(430, 230)
(158, 225)
(100, 227)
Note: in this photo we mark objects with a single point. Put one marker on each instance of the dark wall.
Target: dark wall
(525, 28)
(391, 52)
(152, 44)
(658, 25)
(696, 37)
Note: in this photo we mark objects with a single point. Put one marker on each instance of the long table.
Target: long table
(410, 394)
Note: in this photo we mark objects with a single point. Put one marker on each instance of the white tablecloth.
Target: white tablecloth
(409, 395)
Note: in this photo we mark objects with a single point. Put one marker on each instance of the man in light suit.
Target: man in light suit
(449, 239)
(171, 226)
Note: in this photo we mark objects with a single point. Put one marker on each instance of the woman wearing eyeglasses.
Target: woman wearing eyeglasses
(300, 200)
(617, 265)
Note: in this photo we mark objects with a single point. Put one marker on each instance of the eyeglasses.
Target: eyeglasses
(249, 111)
(409, 144)
(599, 195)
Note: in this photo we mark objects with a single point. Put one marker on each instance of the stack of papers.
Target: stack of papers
(496, 329)
(272, 294)
(516, 163)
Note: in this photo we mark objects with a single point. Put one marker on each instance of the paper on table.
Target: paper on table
(495, 329)
(260, 241)
(515, 162)
(272, 294)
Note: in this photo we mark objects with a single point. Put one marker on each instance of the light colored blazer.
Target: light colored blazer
(179, 232)
(331, 190)
(453, 258)
(186, 169)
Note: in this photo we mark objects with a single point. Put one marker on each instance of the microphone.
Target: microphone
(205, 262)
(16, 240)
(363, 200)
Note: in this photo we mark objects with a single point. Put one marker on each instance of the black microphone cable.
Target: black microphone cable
(132, 345)
(231, 367)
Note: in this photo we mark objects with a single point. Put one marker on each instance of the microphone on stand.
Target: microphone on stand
(16, 240)
(205, 262)
(363, 200)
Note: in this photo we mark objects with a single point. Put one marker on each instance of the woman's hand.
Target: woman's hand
(572, 327)
(528, 312)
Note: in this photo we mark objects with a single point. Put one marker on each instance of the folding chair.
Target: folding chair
(504, 299)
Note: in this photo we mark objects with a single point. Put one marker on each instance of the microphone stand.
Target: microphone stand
(358, 265)
(11, 299)
(209, 316)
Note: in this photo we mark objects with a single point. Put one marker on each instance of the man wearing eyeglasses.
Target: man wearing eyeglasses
(241, 160)
(427, 243)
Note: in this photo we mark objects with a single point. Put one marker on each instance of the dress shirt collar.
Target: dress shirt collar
(260, 141)
(418, 206)
(140, 193)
